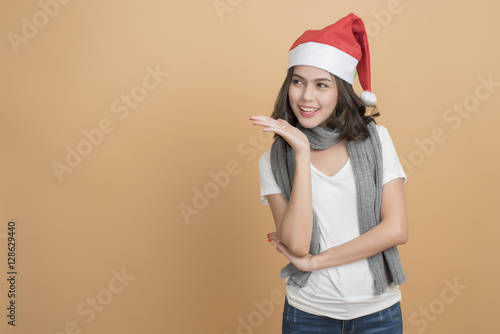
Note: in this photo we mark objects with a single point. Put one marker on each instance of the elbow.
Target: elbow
(401, 236)
(299, 250)
(297, 247)
(397, 231)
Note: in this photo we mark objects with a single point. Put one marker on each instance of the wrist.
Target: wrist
(303, 156)
(315, 263)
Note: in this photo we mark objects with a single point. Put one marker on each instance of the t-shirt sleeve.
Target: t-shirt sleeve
(268, 184)
(392, 166)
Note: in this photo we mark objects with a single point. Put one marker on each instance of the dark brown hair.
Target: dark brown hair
(349, 115)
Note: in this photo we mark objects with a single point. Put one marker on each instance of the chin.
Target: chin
(308, 122)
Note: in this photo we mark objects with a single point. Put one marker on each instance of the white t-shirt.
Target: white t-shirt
(346, 291)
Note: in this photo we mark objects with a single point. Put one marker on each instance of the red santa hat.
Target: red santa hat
(341, 49)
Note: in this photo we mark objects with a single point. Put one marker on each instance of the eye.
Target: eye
(322, 85)
(296, 82)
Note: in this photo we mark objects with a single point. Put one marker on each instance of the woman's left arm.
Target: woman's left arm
(391, 231)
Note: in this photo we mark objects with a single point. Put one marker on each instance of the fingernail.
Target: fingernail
(268, 239)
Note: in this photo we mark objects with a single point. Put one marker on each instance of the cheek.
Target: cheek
(332, 99)
(292, 95)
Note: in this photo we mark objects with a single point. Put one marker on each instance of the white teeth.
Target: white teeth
(309, 109)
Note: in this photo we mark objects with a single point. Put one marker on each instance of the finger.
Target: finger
(263, 120)
(267, 122)
(281, 248)
(273, 236)
(278, 246)
(268, 126)
(259, 117)
(274, 243)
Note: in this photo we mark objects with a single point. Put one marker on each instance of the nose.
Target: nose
(307, 93)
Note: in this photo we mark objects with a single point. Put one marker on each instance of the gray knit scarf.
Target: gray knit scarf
(366, 159)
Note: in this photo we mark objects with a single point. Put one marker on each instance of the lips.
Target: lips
(308, 111)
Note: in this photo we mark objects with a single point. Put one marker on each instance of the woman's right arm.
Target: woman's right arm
(293, 219)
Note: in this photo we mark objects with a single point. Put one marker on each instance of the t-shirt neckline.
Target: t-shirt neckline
(340, 171)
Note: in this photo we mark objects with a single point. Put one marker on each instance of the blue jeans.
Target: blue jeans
(387, 321)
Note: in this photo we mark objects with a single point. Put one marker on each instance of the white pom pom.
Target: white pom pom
(369, 98)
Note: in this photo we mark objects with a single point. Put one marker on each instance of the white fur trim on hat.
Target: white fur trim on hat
(326, 57)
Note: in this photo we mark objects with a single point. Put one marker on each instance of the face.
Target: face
(313, 95)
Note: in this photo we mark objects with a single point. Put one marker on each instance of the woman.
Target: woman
(334, 184)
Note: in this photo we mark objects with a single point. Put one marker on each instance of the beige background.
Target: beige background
(213, 271)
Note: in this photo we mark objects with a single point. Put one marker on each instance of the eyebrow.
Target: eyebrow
(319, 79)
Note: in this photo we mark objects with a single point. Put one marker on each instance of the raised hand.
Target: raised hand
(295, 138)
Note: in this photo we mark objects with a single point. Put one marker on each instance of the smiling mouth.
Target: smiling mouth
(308, 111)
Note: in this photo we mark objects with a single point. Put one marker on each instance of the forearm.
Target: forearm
(295, 228)
(392, 231)
(381, 237)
